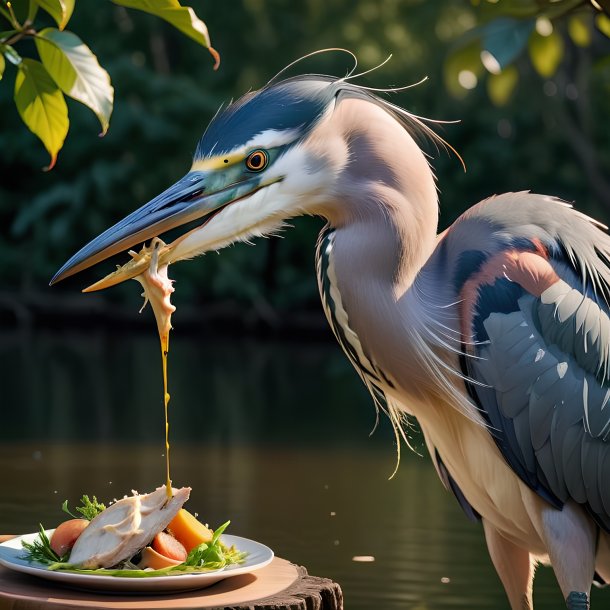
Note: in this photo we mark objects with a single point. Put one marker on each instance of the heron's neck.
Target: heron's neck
(372, 264)
(383, 251)
(384, 232)
(385, 210)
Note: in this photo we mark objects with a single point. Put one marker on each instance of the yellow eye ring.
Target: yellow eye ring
(257, 160)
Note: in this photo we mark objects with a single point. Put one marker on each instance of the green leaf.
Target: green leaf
(60, 10)
(65, 508)
(2, 66)
(6, 34)
(10, 54)
(218, 532)
(546, 53)
(505, 38)
(77, 72)
(501, 86)
(603, 24)
(41, 105)
(32, 10)
(579, 29)
(181, 17)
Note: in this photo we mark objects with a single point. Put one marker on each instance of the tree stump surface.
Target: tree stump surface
(279, 586)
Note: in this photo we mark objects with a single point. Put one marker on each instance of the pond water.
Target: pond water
(273, 435)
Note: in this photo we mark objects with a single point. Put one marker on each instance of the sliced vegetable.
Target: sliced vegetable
(169, 547)
(66, 534)
(189, 531)
(156, 561)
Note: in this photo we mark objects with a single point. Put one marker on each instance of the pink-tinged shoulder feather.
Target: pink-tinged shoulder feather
(531, 270)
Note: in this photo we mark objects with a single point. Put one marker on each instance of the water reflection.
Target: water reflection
(273, 436)
(107, 386)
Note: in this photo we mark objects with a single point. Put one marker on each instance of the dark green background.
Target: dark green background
(166, 92)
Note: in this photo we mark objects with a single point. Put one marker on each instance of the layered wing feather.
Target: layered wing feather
(531, 279)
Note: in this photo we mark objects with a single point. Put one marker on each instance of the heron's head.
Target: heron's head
(271, 155)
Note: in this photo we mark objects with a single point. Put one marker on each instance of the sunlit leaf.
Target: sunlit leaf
(77, 72)
(579, 29)
(546, 53)
(603, 24)
(33, 7)
(501, 86)
(464, 60)
(505, 38)
(10, 54)
(41, 105)
(181, 17)
(2, 66)
(60, 10)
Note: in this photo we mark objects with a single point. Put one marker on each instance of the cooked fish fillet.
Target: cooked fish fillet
(125, 527)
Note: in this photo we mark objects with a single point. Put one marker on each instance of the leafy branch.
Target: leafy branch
(514, 28)
(67, 66)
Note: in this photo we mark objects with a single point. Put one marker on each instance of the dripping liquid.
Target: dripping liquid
(164, 351)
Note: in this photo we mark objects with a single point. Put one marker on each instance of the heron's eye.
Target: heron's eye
(257, 160)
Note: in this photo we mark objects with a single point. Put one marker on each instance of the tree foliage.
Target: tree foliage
(67, 65)
(507, 31)
(548, 136)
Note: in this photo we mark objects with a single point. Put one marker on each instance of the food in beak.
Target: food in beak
(138, 265)
(157, 286)
(125, 527)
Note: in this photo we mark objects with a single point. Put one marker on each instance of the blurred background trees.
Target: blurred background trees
(529, 81)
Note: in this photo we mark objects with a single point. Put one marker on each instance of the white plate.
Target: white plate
(259, 555)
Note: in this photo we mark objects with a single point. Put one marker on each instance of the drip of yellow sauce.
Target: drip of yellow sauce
(164, 352)
(158, 289)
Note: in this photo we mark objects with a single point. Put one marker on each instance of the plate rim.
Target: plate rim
(124, 583)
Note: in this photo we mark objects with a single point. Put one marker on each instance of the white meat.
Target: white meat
(125, 527)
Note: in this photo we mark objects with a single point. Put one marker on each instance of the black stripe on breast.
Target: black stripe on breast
(322, 264)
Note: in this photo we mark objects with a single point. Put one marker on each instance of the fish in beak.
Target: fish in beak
(199, 194)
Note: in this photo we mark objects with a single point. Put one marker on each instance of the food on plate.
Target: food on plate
(169, 547)
(133, 537)
(66, 534)
(156, 561)
(189, 530)
(125, 527)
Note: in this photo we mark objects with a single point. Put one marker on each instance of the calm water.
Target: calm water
(274, 436)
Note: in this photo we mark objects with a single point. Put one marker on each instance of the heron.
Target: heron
(494, 334)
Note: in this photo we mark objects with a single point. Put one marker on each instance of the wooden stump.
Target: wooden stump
(306, 593)
(279, 586)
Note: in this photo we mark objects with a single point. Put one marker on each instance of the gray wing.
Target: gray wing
(539, 332)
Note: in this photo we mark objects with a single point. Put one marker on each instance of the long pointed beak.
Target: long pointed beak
(191, 198)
